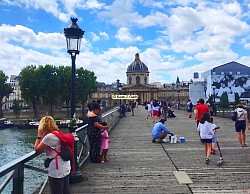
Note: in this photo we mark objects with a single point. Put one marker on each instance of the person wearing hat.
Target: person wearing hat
(160, 131)
(241, 124)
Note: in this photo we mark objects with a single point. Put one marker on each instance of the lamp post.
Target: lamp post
(214, 105)
(178, 93)
(213, 87)
(119, 88)
(205, 89)
(74, 36)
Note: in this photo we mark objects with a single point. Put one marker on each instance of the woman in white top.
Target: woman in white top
(241, 124)
(206, 128)
(58, 172)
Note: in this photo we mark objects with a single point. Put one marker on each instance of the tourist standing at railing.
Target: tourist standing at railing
(94, 133)
(58, 174)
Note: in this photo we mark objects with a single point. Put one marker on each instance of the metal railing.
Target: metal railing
(14, 171)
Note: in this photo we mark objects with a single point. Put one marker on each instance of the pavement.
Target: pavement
(137, 165)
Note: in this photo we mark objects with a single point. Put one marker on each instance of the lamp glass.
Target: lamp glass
(73, 45)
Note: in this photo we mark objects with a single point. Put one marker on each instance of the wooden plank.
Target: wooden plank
(182, 177)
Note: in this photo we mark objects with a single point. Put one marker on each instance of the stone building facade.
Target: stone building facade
(138, 84)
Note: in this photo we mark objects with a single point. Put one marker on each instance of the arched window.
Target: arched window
(138, 79)
(130, 80)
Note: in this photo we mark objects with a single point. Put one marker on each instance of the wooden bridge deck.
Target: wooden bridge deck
(137, 165)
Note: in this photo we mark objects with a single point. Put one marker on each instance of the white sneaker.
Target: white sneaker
(164, 140)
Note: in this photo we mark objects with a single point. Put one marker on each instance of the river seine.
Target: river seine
(15, 143)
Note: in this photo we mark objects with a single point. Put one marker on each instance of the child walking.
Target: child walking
(205, 128)
(105, 144)
(214, 139)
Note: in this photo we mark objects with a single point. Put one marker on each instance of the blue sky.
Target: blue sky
(174, 38)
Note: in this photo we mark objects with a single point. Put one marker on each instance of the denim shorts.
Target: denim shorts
(214, 139)
(240, 126)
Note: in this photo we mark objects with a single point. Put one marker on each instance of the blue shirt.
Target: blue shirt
(157, 129)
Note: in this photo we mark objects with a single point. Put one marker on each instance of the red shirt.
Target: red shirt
(201, 108)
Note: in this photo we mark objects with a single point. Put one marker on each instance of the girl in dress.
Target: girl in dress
(105, 144)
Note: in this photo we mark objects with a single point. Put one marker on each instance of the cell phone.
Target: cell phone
(216, 127)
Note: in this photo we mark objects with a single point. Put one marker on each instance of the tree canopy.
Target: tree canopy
(5, 90)
(51, 86)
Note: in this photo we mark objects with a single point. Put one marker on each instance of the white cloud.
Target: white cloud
(62, 9)
(27, 37)
(104, 35)
(124, 35)
(94, 37)
(120, 13)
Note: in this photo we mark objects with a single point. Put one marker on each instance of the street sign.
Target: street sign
(124, 97)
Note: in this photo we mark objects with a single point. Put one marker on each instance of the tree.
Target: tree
(236, 98)
(30, 88)
(224, 102)
(64, 91)
(85, 86)
(5, 90)
(16, 107)
(48, 85)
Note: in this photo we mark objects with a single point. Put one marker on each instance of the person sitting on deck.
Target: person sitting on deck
(160, 131)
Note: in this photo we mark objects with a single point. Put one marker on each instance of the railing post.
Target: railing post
(18, 180)
(76, 174)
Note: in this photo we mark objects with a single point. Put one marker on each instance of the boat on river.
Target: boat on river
(34, 124)
(4, 123)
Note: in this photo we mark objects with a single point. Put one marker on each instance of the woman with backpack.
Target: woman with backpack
(241, 124)
(58, 169)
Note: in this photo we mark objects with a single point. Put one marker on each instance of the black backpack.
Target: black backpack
(234, 116)
(191, 105)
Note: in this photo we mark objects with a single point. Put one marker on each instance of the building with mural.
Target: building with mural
(231, 78)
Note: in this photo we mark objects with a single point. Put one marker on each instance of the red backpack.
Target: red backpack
(67, 147)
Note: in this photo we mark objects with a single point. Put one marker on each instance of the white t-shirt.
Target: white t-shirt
(64, 167)
(149, 107)
(206, 130)
(241, 114)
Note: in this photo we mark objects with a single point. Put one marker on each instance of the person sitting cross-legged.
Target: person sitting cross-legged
(160, 131)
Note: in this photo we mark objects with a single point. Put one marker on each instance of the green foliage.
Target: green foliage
(211, 100)
(5, 90)
(16, 107)
(52, 85)
(236, 98)
(86, 85)
(30, 86)
(64, 78)
(48, 85)
(224, 102)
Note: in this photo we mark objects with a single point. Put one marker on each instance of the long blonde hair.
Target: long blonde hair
(47, 124)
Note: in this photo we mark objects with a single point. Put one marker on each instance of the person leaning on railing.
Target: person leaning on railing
(58, 172)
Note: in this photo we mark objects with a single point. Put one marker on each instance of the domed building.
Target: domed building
(138, 84)
(138, 81)
(137, 72)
